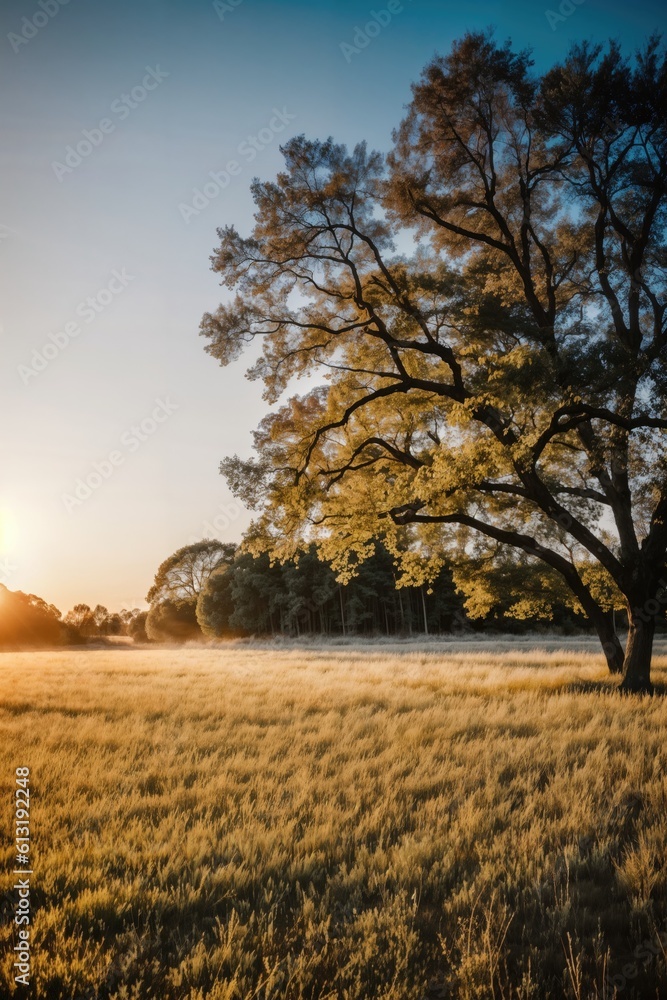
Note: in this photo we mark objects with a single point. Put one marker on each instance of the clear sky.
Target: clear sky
(104, 267)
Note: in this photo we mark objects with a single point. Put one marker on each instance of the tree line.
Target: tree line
(211, 590)
(28, 621)
(214, 590)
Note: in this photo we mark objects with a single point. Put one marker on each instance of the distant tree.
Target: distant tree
(100, 617)
(28, 621)
(182, 576)
(309, 585)
(246, 597)
(127, 616)
(41, 605)
(114, 625)
(443, 604)
(173, 621)
(216, 606)
(136, 627)
(509, 380)
(302, 596)
(82, 619)
(178, 583)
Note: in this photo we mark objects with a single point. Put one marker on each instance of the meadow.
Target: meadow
(353, 821)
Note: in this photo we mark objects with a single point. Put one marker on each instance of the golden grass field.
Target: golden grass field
(390, 822)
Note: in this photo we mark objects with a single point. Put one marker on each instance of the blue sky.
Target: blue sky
(181, 89)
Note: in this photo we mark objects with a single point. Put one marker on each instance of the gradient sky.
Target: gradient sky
(62, 237)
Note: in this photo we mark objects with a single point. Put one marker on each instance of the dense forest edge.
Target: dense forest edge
(210, 590)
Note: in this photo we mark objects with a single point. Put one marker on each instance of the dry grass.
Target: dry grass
(361, 822)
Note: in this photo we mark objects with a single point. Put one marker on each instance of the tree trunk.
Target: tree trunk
(637, 665)
(613, 651)
(424, 610)
(599, 619)
(400, 604)
(611, 644)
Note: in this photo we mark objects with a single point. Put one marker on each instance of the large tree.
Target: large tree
(182, 576)
(176, 588)
(504, 384)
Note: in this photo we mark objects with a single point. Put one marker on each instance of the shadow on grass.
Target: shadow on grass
(610, 687)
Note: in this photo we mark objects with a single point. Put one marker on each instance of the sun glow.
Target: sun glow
(8, 538)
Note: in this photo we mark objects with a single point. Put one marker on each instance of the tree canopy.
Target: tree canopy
(503, 384)
(301, 597)
(176, 588)
(183, 574)
(27, 621)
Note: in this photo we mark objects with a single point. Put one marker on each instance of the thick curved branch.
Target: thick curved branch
(403, 457)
